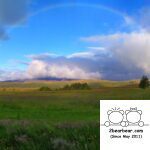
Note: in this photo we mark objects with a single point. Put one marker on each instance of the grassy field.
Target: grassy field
(58, 119)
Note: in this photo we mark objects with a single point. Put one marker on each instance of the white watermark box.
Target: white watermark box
(124, 124)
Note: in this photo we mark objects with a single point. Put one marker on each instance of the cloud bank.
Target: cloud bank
(131, 50)
(60, 68)
(121, 56)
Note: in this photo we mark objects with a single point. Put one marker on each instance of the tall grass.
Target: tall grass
(65, 137)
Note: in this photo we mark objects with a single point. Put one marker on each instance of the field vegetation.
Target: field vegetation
(33, 119)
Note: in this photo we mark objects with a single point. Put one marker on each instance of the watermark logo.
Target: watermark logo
(124, 118)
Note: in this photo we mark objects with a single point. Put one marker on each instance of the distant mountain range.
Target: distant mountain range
(40, 79)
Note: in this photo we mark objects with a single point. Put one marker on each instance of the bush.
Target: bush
(45, 88)
(77, 86)
(144, 82)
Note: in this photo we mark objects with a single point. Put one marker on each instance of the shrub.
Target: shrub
(45, 88)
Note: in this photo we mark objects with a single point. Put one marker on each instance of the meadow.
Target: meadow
(57, 119)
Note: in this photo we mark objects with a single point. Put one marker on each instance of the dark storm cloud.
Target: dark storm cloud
(12, 13)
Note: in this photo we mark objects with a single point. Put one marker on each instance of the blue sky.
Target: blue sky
(71, 28)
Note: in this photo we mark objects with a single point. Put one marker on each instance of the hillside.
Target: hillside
(95, 84)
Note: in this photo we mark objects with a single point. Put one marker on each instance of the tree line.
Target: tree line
(73, 86)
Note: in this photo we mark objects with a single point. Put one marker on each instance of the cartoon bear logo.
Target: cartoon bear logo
(130, 117)
(133, 117)
(115, 117)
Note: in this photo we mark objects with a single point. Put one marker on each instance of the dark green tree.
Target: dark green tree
(144, 82)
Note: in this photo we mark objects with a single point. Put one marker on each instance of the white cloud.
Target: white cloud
(140, 19)
(40, 69)
(130, 49)
(104, 39)
(60, 67)
(82, 55)
(8, 75)
(143, 18)
(41, 56)
(97, 48)
(129, 20)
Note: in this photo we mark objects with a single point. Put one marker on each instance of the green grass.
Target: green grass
(58, 106)
(61, 106)
(65, 118)
(54, 120)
